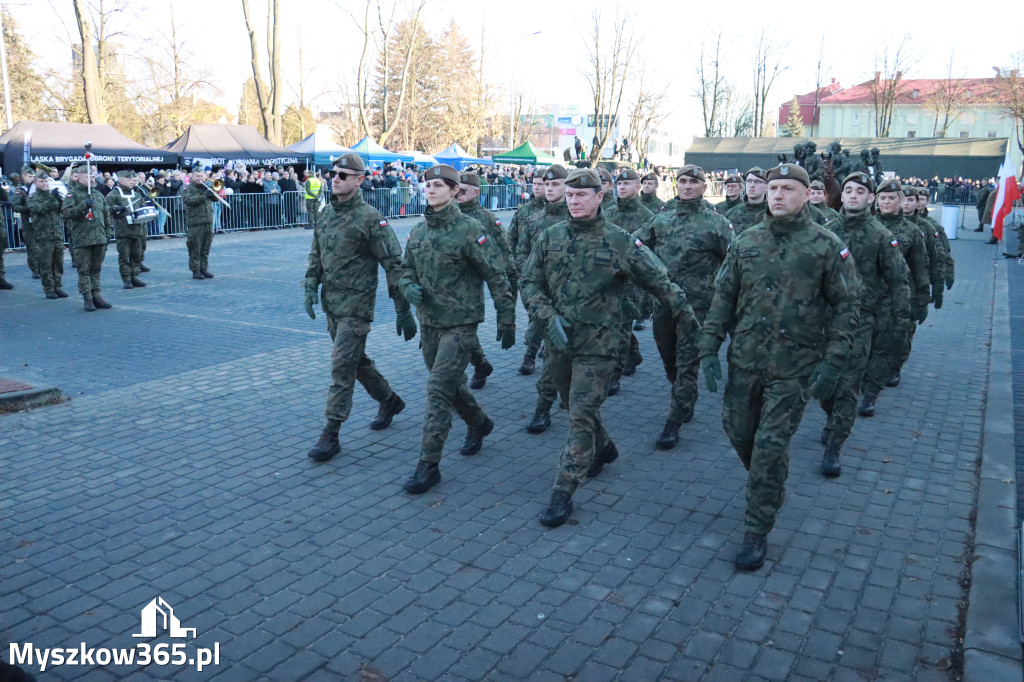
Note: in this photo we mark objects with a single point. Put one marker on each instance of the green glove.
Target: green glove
(904, 325)
(920, 313)
(311, 300)
(507, 336)
(712, 371)
(949, 283)
(414, 294)
(691, 321)
(513, 285)
(405, 323)
(824, 380)
(629, 309)
(937, 297)
(558, 333)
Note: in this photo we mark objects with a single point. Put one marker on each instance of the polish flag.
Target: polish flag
(1008, 192)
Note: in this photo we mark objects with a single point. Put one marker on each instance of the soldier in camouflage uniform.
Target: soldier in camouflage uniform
(733, 194)
(88, 220)
(574, 282)
(649, 193)
(940, 235)
(22, 189)
(4, 284)
(447, 259)
(352, 239)
(631, 214)
(812, 164)
(198, 224)
(882, 271)
(887, 356)
(469, 204)
(528, 229)
(42, 210)
(129, 235)
(754, 208)
(536, 202)
(936, 256)
(142, 192)
(692, 241)
(788, 294)
(608, 187)
(818, 202)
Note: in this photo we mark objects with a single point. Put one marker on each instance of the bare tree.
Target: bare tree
(767, 60)
(819, 68)
(268, 95)
(891, 62)
(949, 100)
(712, 90)
(1011, 95)
(647, 114)
(608, 73)
(92, 86)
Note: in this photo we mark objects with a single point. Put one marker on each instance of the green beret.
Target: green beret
(350, 161)
(789, 171)
(758, 173)
(556, 172)
(628, 174)
(651, 176)
(442, 172)
(125, 174)
(29, 170)
(817, 184)
(470, 179)
(860, 178)
(890, 185)
(81, 168)
(910, 191)
(691, 171)
(42, 175)
(605, 175)
(583, 177)
(734, 179)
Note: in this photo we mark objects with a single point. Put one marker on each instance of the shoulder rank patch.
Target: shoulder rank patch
(844, 254)
(383, 223)
(894, 243)
(482, 239)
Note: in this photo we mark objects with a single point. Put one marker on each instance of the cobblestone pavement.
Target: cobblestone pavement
(178, 470)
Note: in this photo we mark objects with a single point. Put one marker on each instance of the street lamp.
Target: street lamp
(512, 94)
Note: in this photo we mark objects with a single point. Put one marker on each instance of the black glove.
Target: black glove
(55, 193)
(88, 203)
(119, 210)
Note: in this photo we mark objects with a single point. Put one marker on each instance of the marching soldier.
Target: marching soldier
(4, 284)
(608, 187)
(940, 235)
(574, 284)
(754, 208)
(787, 294)
(23, 186)
(818, 202)
(88, 218)
(733, 193)
(692, 241)
(649, 192)
(936, 259)
(129, 236)
(447, 260)
(314, 190)
(342, 276)
(42, 210)
(143, 190)
(198, 200)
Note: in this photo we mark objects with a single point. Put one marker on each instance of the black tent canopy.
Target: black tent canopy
(921, 157)
(62, 144)
(216, 144)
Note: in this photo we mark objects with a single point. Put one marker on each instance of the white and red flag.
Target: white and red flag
(1008, 192)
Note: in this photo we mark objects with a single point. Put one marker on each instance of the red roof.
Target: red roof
(806, 102)
(918, 90)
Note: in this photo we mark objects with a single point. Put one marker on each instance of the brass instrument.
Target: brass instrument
(154, 192)
(218, 185)
(215, 189)
(36, 166)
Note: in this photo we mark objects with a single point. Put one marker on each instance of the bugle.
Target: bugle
(213, 191)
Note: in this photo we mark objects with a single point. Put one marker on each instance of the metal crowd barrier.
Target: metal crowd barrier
(399, 202)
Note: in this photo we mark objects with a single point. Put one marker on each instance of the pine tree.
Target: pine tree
(794, 124)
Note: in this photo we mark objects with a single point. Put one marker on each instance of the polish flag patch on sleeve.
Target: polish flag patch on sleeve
(482, 240)
(383, 223)
(731, 227)
(894, 243)
(638, 243)
(498, 223)
(844, 253)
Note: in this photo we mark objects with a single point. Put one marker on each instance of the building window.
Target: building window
(991, 134)
(964, 134)
(856, 118)
(915, 94)
(911, 133)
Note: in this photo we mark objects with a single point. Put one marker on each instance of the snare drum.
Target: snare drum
(144, 215)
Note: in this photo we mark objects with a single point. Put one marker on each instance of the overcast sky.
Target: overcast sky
(548, 64)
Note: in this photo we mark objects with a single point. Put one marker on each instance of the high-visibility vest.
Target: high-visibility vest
(312, 188)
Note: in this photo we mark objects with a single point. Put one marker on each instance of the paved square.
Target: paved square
(178, 470)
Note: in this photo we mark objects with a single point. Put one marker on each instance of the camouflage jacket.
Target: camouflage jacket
(914, 252)
(534, 204)
(828, 214)
(936, 253)
(536, 223)
(651, 201)
(790, 293)
(19, 198)
(43, 210)
(692, 242)
(746, 215)
(351, 240)
(198, 206)
(578, 269)
(492, 226)
(943, 240)
(629, 214)
(115, 198)
(450, 256)
(879, 262)
(86, 231)
(728, 204)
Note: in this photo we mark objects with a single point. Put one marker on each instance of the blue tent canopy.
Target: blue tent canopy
(323, 150)
(373, 152)
(456, 157)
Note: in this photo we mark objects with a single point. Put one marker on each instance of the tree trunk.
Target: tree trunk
(92, 88)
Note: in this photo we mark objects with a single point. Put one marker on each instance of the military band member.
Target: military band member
(42, 210)
(130, 236)
(88, 219)
(198, 202)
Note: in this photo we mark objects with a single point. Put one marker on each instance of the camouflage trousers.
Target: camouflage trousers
(90, 262)
(760, 416)
(678, 350)
(901, 350)
(841, 408)
(129, 256)
(28, 237)
(50, 259)
(534, 336)
(584, 378)
(881, 359)
(477, 357)
(3, 247)
(446, 352)
(349, 364)
(629, 350)
(198, 240)
(313, 211)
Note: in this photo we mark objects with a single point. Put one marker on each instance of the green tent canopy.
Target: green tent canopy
(525, 153)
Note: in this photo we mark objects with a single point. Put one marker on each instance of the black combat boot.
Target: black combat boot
(100, 303)
(867, 407)
(629, 370)
(529, 364)
(386, 412)
(136, 282)
(894, 379)
(558, 511)
(475, 438)
(480, 375)
(830, 466)
(36, 275)
(60, 293)
(426, 476)
(143, 268)
(52, 295)
(87, 303)
(540, 422)
(824, 435)
(206, 273)
(751, 556)
(669, 435)
(325, 448)
(638, 326)
(606, 455)
(197, 275)
(127, 284)
(613, 385)
(5, 285)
